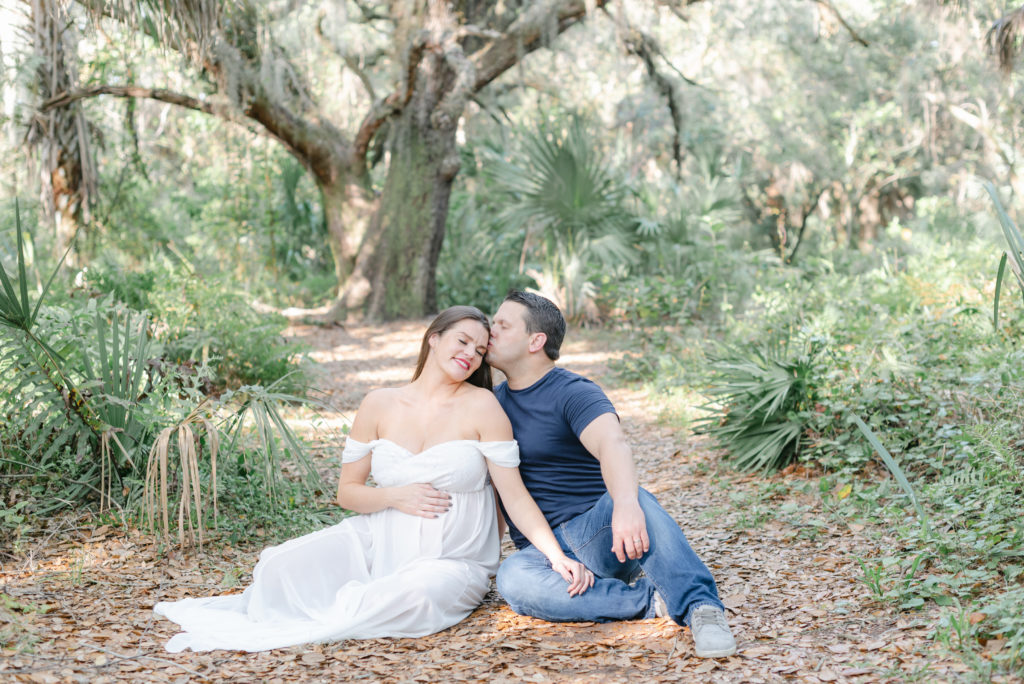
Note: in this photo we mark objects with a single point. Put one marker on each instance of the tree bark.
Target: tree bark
(348, 209)
(395, 276)
(61, 134)
(411, 222)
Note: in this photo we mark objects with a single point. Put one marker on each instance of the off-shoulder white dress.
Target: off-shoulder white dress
(380, 574)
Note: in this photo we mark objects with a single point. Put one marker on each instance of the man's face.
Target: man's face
(509, 340)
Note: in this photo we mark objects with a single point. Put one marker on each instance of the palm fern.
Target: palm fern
(571, 207)
(1014, 257)
(761, 402)
(278, 444)
(49, 411)
(75, 382)
(44, 410)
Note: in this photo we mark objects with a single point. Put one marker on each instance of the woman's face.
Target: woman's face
(460, 349)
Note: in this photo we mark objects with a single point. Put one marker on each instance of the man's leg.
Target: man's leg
(673, 566)
(670, 565)
(531, 587)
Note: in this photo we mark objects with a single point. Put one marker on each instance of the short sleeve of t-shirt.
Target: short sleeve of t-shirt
(586, 403)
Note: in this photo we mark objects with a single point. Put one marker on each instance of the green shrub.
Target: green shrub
(479, 261)
(763, 401)
(86, 397)
(129, 287)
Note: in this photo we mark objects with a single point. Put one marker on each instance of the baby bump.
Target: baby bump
(471, 528)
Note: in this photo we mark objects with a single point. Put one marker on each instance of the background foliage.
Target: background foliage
(781, 204)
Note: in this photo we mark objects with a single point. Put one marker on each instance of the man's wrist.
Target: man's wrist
(626, 499)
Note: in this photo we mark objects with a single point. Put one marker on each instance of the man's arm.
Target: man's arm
(604, 439)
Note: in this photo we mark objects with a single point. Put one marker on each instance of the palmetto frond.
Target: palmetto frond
(37, 407)
(47, 412)
(760, 402)
(278, 444)
(1004, 37)
(564, 193)
(572, 209)
(43, 410)
(1013, 257)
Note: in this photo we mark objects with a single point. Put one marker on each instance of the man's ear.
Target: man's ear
(537, 342)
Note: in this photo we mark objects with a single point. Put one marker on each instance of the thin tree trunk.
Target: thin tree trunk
(61, 134)
(348, 209)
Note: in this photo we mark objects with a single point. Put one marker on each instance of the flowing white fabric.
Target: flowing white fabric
(380, 574)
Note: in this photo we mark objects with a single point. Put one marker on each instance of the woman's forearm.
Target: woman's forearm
(531, 522)
(363, 498)
(523, 511)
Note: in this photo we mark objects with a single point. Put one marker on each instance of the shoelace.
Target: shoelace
(709, 616)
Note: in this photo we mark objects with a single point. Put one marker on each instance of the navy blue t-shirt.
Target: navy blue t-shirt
(547, 419)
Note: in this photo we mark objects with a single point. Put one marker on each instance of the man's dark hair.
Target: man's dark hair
(541, 316)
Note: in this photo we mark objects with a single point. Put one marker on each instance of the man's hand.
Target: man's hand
(575, 573)
(419, 499)
(629, 531)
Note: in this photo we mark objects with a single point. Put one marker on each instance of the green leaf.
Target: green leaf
(999, 285)
(893, 467)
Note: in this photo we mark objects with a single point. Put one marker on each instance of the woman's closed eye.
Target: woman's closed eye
(465, 342)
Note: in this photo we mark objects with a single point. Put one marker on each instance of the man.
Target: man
(576, 463)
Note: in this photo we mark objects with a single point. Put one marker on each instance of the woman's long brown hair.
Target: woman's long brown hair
(481, 377)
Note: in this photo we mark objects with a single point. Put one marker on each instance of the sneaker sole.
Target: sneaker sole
(721, 653)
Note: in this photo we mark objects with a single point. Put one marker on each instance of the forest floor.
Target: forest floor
(75, 604)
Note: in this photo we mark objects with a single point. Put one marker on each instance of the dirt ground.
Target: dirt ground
(79, 597)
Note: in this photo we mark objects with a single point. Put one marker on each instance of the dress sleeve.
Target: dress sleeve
(505, 454)
(354, 450)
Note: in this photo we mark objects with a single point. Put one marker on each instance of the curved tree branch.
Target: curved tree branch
(298, 135)
(389, 106)
(345, 56)
(163, 95)
(827, 4)
(643, 46)
(449, 109)
(526, 35)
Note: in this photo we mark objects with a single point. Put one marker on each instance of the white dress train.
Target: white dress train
(374, 575)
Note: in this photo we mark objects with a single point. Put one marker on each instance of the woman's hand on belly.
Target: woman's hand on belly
(418, 499)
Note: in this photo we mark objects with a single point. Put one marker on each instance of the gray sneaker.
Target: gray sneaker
(712, 637)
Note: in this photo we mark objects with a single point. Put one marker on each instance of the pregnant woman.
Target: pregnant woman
(420, 557)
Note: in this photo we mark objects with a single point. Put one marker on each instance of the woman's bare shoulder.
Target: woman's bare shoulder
(380, 397)
(480, 396)
(488, 414)
(372, 410)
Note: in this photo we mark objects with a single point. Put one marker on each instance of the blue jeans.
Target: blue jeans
(670, 567)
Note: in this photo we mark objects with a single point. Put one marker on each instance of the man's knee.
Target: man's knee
(512, 579)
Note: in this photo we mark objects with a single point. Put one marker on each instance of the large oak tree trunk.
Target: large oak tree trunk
(413, 210)
(395, 276)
